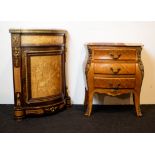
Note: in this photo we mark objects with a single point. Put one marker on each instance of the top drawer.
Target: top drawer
(41, 40)
(115, 53)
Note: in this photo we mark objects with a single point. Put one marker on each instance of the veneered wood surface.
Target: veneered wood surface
(114, 82)
(117, 54)
(115, 68)
(17, 79)
(45, 76)
(40, 40)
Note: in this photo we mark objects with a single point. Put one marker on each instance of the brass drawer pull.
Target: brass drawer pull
(115, 70)
(115, 55)
(115, 86)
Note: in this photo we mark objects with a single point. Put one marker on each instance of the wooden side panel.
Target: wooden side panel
(45, 76)
(40, 40)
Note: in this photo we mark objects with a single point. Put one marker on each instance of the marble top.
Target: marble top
(37, 31)
(114, 44)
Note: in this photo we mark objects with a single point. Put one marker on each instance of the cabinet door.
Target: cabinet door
(42, 72)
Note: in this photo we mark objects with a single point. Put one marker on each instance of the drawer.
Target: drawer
(41, 40)
(114, 83)
(115, 54)
(115, 68)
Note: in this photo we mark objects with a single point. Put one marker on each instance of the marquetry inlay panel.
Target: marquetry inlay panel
(45, 76)
(38, 40)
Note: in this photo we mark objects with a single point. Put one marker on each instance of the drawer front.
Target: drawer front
(115, 68)
(41, 40)
(114, 83)
(115, 54)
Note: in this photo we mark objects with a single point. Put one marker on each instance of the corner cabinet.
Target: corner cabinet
(39, 71)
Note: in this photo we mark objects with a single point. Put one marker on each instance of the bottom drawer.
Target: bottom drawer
(114, 82)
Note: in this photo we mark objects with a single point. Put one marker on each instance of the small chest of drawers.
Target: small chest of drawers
(114, 69)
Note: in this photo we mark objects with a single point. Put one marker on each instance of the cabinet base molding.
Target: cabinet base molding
(22, 112)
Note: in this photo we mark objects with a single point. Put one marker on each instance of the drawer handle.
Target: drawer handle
(115, 55)
(115, 86)
(115, 70)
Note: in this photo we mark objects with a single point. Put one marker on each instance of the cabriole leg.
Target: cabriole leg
(89, 104)
(136, 99)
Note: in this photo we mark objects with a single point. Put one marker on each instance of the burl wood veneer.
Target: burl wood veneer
(114, 69)
(39, 71)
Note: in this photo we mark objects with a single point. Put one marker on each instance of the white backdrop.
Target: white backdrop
(81, 33)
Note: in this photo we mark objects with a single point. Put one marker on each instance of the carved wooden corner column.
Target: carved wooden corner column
(39, 58)
(114, 69)
(16, 55)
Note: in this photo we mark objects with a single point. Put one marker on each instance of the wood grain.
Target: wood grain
(17, 79)
(40, 40)
(114, 82)
(115, 68)
(45, 76)
(119, 54)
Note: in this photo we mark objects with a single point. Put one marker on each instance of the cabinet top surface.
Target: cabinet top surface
(44, 31)
(116, 44)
